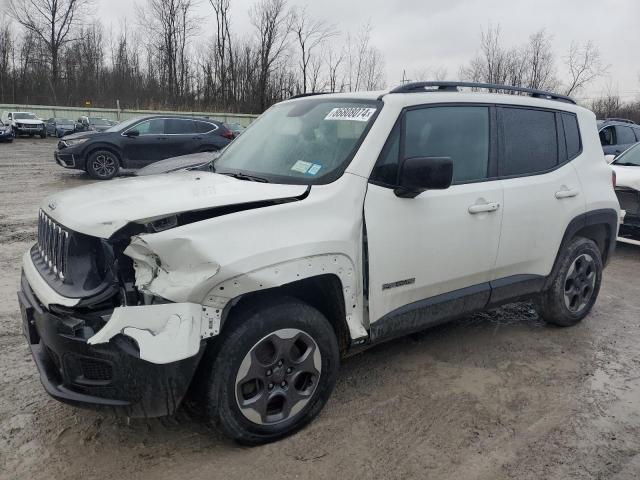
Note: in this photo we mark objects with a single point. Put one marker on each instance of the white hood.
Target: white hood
(28, 121)
(100, 209)
(627, 176)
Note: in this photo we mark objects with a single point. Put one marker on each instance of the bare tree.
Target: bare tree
(540, 62)
(584, 65)
(52, 21)
(365, 63)
(272, 21)
(171, 25)
(309, 34)
(334, 62)
(222, 45)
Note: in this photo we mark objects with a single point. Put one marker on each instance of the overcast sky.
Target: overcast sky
(419, 34)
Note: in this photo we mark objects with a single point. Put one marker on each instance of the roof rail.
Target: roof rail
(310, 94)
(453, 87)
(623, 120)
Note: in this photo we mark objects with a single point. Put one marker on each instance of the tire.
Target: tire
(103, 165)
(294, 387)
(575, 286)
(43, 134)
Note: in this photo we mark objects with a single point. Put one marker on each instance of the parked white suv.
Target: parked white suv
(24, 123)
(335, 222)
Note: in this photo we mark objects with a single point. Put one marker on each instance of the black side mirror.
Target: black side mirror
(132, 133)
(418, 174)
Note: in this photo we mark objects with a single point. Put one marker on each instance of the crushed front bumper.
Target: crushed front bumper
(103, 375)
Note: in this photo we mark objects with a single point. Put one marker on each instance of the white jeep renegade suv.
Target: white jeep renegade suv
(333, 223)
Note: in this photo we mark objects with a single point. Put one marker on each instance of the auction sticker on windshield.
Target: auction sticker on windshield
(357, 114)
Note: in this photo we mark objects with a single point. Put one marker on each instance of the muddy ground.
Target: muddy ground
(494, 396)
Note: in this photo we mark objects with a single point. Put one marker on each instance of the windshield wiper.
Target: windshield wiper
(244, 176)
(627, 164)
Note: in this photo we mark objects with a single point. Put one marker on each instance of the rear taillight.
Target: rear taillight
(228, 134)
(613, 178)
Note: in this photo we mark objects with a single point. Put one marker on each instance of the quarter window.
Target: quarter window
(571, 135)
(204, 127)
(624, 135)
(529, 141)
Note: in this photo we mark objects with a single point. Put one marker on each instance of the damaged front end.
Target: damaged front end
(98, 326)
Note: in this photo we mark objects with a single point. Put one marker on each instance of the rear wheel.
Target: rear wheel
(272, 372)
(575, 286)
(102, 165)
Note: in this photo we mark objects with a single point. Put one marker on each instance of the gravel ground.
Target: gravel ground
(493, 396)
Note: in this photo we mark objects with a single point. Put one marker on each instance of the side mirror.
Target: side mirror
(609, 158)
(418, 174)
(132, 133)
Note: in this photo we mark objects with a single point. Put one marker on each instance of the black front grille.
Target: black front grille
(96, 370)
(53, 245)
(629, 200)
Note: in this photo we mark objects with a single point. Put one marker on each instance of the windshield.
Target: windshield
(24, 116)
(631, 158)
(303, 142)
(98, 121)
(64, 121)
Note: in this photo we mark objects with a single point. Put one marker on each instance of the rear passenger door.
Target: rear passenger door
(542, 191)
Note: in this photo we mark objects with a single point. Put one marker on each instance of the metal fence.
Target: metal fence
(73, 113)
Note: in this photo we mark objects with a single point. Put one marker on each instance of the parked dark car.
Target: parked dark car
(59, 126)
(92, 124)
(617, 135)
(6, 133)
(136, 143)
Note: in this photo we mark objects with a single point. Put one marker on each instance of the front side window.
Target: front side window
(529, 141)
(308, 141)
(624, 135)
(460, 133)
(607, 137)
(155, 126)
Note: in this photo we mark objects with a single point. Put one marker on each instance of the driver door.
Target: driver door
(433, 255)
(147, 147)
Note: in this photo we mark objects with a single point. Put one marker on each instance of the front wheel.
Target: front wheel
(272, 371)
(576, 284)
(102, 165)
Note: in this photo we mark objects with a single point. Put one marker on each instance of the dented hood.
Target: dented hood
(627, 176)
(100, 209)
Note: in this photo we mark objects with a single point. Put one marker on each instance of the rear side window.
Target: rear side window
(461, 133)
(571, 135)
(529, 141)
(178, 126)
(624, 135)
(637, 130)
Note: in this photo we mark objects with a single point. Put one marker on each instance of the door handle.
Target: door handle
(484, 207)
(196, 138)
(567, 193)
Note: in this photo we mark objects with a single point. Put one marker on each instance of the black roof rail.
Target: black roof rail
(453, 87)
(622, 120)
(310, 94)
